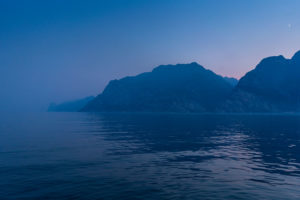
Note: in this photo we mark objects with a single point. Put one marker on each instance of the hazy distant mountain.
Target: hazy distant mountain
(168, 88)
(70, 106)
(273, 86)
(232, 81)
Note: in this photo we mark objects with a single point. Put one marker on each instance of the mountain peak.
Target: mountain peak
(193, 65)
(296, 56)
(273, 59)
(168, 88)
(270, 62)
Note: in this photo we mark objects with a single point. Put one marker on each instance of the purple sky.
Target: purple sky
(52, 51)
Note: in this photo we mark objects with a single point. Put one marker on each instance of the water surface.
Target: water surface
(149, 156)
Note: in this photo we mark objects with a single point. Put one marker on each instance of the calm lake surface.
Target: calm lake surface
(149, 156)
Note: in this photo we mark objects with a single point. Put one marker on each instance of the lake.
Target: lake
(149, 156)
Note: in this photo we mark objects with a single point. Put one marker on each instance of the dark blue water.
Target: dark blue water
(149, 156)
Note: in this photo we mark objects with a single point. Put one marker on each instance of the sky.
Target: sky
(60, 50)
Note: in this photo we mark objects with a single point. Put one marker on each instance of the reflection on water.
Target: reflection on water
(149, 156)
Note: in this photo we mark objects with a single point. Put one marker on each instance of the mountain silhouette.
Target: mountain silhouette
(273, 86)
(70, 106)
(168, 88)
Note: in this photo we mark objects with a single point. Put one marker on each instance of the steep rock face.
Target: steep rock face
(168, 88)
(273, 86)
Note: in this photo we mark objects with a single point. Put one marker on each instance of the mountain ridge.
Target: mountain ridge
(272, 86)
(168, 88)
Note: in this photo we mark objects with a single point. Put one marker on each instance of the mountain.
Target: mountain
(231, 81)
(168, 88)
(70, 106)
(273, 86)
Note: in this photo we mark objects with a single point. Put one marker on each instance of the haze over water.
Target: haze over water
(149, 156)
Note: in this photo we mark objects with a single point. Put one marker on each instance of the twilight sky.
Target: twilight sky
(57, 50)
